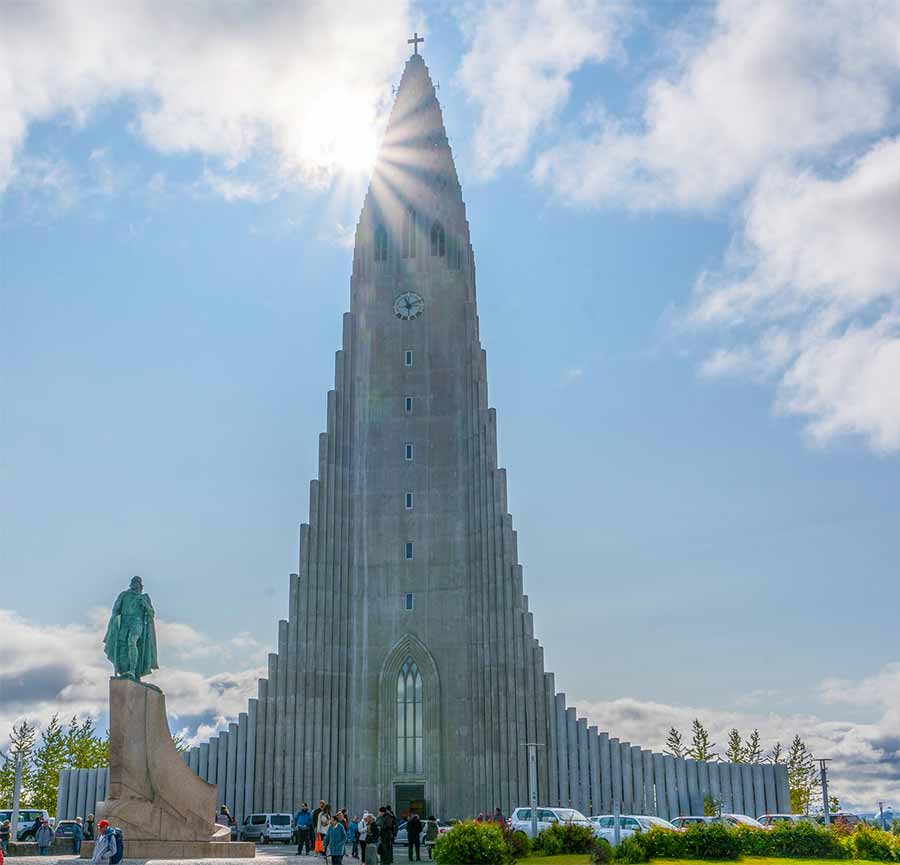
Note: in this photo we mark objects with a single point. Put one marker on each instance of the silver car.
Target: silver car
(265, 828)
(520, 819)
(605, 826)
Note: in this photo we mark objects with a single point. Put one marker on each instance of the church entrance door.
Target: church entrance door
(409, 797)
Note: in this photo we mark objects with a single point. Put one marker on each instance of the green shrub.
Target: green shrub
(517, 843)
(472, 844)
(632, 850)
(869, 843)
(792, 839)
(895, 826)
(711, 841)
(602, 853)
(564, 838)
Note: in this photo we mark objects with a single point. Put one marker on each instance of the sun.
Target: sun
(341, 133)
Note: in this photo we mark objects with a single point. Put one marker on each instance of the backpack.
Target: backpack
(120, 846)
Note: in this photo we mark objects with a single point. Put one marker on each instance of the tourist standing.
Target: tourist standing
(77, 835)
(105, 846)
(413, 831)
(304, 822)
(498, 816)
(353, 835)
(370, 846)
(337, 840)
(89, 828)
(4, 835)
(44, 838)
(324, 826)
(385, 824)
(223, 818)
(363, 834)
(431, 834)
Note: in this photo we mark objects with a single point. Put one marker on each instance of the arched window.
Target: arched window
(409, 234)
(438, 240)
(409, 719)
(380, 244)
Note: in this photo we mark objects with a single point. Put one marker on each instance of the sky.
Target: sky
(684, 218)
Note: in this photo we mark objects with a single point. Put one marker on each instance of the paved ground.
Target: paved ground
(270, 854)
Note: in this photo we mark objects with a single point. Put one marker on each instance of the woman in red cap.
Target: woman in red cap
(105, 845)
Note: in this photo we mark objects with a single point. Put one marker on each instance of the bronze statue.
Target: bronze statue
(130, 641)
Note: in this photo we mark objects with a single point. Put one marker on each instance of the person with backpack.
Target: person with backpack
(106, 846)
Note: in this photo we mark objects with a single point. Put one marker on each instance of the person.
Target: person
(77, 835)
(337, 840)
(363, 835)
(4, 835)
(324, 826)
(89, 828)
(303, 821)
(498, 816)
(413, 831)
(223, 818)
(342, 816)
(105, 846)
(385, 825)
(431, 834)
(316, 813)
(353, 835)
(32, 830)
(370, 847)
(44, 837)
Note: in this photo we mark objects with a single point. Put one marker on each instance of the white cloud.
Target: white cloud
(765, 81)
(518, 67)
(293, 82)
(813, 297)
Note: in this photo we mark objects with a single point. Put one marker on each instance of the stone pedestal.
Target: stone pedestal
(153, 795)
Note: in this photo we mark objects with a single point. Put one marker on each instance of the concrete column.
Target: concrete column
(649, 791)
(91, 799)
(300, 650)
(681, 781)
(737, 789)
(782, 789)
(203, 761)
(596, 797)
(193, 755)
(240, 774)
(637, 779)
(715, 788)
(329, 704)
(62, 801)
(222, 767)
(72, 794)
(605, 802)
(769, 784)
(725, 787)
(759, 791)
(693, 785)
(627, 779)
(551, 752)
(615, 761)
(543, 733)
(259, 785)
(82, 791)
(584, 767)
(280, 719)
(102, 786)
(290, 710)
(269, 770)
(659, 783)
(212, 766)
(312, 643)
(703, 780)
(671, 787)
(562, 754)
(250, 778)
(524, 722)
(231, 768)
(574, 773)
(747, 790)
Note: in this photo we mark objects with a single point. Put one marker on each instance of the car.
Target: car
(520, 819)
(604, 825)
(684, 822)
(769, 821)
(402, 839)
(65, 828)
(841, 818)
(736, 820)
(267, 827)
(27, 816)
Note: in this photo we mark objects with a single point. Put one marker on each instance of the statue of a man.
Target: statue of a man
(130, 640)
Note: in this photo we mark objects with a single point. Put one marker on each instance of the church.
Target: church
(407, 670)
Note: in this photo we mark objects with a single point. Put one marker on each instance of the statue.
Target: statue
(130, 640)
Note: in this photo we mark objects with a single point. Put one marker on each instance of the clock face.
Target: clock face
(408, 305)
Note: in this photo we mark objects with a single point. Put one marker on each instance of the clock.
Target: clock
(408, 305)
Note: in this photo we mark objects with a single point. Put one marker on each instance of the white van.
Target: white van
(265, 828)
(27, 816)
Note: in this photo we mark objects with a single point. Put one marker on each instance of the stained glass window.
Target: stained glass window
(409, 719)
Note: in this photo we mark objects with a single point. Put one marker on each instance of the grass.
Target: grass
(584, 859)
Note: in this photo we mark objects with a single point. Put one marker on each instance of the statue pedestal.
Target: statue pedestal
(155, 798)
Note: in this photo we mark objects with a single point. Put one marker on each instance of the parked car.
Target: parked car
(402, 839)
(684, 822)
(842, 818)
(605, 825)
(742, 820)
(65, 828)
(770, 820)
(265, 828)
(27, 816)
(520, 819)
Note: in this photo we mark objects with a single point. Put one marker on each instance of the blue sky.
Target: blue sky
(684, 221)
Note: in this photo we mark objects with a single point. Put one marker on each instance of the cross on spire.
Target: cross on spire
(415, 42)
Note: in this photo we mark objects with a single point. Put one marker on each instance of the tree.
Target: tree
(701, 748)
(674, 743)
(776, 754)
(49, 759)
(801, 776)
(84, 748)
(734, 751)
(753, 749)
(834, 804)
(21, 741)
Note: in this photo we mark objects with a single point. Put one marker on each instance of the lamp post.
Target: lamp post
(823, 773)
(533, 784)
(17, 795)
